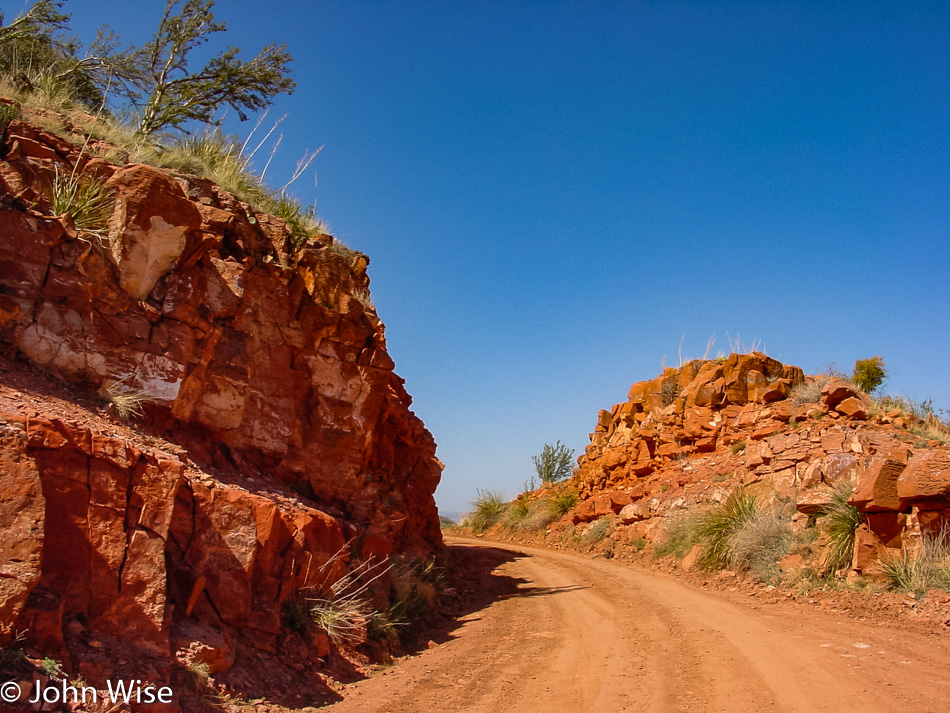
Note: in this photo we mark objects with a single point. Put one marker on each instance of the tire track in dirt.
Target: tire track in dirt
(580, 634)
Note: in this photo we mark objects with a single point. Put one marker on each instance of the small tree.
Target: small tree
(868, 374)
(555, 463)
(36, 54)
(173, 95)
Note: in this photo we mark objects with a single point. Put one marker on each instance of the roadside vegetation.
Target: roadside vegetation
(152, 104)
(923, 569)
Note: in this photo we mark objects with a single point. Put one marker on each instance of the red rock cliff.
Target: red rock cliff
(266, 367)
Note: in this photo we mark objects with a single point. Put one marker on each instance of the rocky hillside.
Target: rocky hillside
(692, 435)
(273, 434)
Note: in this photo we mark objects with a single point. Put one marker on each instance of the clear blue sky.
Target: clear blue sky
(554, 193)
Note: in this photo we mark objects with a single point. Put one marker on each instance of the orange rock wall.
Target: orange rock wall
(694, 433)
(261, 364)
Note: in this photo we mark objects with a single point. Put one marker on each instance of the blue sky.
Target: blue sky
(554, 194)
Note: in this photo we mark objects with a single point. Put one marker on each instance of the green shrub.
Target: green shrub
(564, 502)
(840, 521)
(555, 463)
(869, 374)
(52, 668)
(738, 447)
(488, 508)
(717, 527)
(86, 200)
(8, 112)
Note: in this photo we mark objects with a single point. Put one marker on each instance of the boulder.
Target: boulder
(926, 479)
(853, 407)
(151, 226)
(875, 486)
(634, 512)
(838, 390)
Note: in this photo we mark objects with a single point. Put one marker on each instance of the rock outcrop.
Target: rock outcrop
(693, 434)
(286, 437)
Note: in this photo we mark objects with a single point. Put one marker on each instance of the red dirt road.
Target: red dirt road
(561, 632)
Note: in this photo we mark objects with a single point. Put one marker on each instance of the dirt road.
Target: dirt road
(560, 632)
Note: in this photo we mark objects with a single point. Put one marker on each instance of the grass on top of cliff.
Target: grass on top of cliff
(220, 158)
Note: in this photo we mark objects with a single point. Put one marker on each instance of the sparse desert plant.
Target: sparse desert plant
(363, 297)
(738, 447)
(341, 249)
(416, 585)
(669, 391)
(764, 539)
(214, 155)
(902, 404)
(717, 528)
(808, 391)
(301, 221)
(927, 568)
(86, 200)
(200, 674)
(564, 502)
(869, 374)
(488, 509)
(517, 510)
(342, 608)
(601, 529)
(554, 464)
(52, 668)
(840, 521)
(931, 431)
(540, 514)
(679, 534)
(125, 402)
(13, 661)
(296, 615)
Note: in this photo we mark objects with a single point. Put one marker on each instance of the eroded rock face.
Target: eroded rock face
(261, 364)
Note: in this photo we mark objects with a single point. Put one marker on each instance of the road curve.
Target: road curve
(576, 634)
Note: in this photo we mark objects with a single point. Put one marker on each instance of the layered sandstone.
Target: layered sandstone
(288, 437)
(693, 434)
